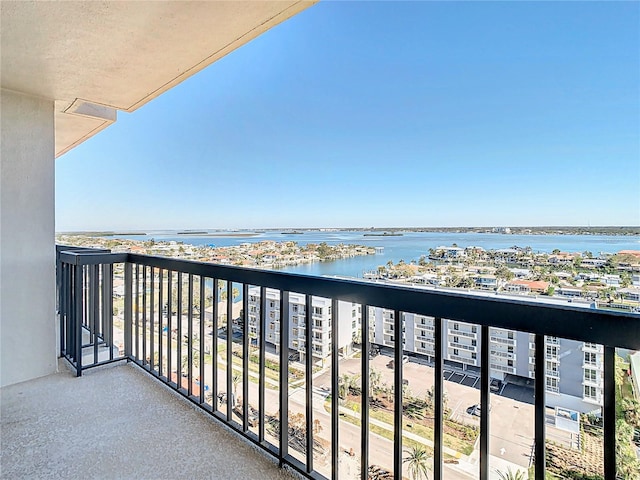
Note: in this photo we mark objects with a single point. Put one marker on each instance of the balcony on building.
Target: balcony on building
(88, 392)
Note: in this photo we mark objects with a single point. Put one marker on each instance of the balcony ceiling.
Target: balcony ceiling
(94, 58)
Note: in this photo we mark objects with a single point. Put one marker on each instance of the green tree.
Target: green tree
(324, 251)
(631, 409)
(374, 381)
(430, 398)
(417, 460)
(504, 273)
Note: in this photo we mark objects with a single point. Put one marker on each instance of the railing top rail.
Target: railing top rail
(92, 257)
(619, 329)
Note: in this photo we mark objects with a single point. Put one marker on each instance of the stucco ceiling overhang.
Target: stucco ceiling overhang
(94, 58)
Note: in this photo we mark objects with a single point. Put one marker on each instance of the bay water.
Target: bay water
(409, 246)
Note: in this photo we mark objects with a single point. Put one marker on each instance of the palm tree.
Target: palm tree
(374, 381)
(509, 475)
(236, 379)
(417, 461)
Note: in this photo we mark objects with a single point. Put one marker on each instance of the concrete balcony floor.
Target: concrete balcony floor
(117, 422)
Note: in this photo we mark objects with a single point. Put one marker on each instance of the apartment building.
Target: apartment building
(574, 370)
(321, 316)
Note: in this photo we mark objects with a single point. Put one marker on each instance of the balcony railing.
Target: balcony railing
(163, 327)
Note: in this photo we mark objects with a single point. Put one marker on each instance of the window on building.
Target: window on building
(455, 351)
(590, 392)
(473, 343)
(474, 329)
(590, 375)
(317, 310)
(456, 326)
(510, 349)
(589, 358)
(510, 363)
(552, 384)
(473, 355)
(510, 335)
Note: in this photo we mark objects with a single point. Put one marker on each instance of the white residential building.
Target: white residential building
(321, 316)
(574, 370)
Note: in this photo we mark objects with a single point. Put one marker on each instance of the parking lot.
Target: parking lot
(511, 414)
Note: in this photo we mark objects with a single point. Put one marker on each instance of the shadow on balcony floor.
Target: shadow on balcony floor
(117, 423)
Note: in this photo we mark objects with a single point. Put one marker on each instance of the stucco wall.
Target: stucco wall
(27, 239)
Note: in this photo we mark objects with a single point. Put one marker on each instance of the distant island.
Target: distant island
(384, 234)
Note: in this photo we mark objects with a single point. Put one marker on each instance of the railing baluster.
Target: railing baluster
(214, 347)
(62, 315)
(284, 375)
(136, 313)
(108, 308)
(128, 289)
(169, 324)
(245, 357)
(201, 346)
(190, 336)
(144, 315)
(160, 315)
(152, 321)
(92, 295)
(540, 393)
(438, 388)
(335, 413)
(261, 366)
(230, 399)
(609, 413)
(364, 425)
(78, 279)
(484, 403)
(308, 361)
(179, 339)
(397, 395)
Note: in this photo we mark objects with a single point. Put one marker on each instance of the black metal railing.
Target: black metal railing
(167, 308)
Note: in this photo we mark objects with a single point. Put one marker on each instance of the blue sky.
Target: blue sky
(359, 114)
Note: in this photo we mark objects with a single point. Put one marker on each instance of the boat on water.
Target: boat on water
(295, 232)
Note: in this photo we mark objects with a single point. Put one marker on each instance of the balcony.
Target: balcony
(95, 427)
(93, 334)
